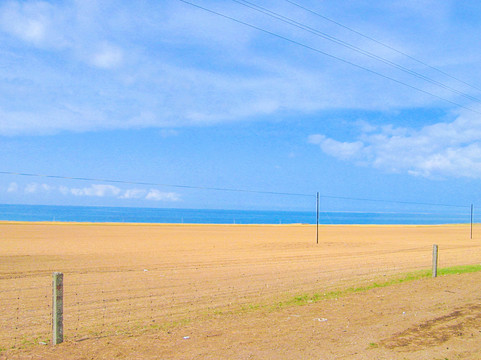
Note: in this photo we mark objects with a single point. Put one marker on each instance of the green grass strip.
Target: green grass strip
(416, 275)
(463, 269)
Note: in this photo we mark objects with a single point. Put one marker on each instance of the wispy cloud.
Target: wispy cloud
(107, 56)
(134, 194)
(96, 190)
(179, 66)
(341, 150)
(33, 188)
(27, 21)
(443, 149)
(100, 190)
(12, 187)
(157, 195)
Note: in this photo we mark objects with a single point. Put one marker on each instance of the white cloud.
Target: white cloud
(12, 187)
(46, 187)
(101, 190)
(133, 194)
(444, 149)
(72, 29)
(342, 150)
(157, 195)
(28, 21)
(121, 65)
(107, 56)
(97, 190)
(33, 188)
(64, 190)
(40, 24)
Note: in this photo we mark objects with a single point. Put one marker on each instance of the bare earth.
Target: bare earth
(229, 292)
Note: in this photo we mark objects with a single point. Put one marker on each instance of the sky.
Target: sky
(353, 99)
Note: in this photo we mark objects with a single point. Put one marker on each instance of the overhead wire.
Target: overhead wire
(382, 44)
(328, 55)
(328, 37)
(294, 23)
(395, 201)
(154, 184)
(228, 189)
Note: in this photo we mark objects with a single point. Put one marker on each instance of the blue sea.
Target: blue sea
(208, 216)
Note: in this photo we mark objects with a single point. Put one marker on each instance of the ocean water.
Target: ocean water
(208, 216)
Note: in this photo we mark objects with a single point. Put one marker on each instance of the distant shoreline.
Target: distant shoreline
(139, 224)
(119, 215)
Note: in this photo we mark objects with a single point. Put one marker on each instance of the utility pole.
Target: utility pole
(317, 219)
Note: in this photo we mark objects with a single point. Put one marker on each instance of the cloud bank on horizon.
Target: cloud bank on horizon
(81, 66)
(95, 190)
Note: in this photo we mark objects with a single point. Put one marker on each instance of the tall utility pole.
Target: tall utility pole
(472, 220)
(317, 219)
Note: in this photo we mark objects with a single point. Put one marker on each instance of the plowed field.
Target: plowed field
(238, 292)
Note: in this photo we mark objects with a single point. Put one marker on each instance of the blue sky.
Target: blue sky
(167, 93)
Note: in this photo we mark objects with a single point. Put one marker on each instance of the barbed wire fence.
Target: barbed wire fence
(26, 313)
(138, 301)
(107, 300)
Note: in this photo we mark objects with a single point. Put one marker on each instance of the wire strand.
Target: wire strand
(231, 190)
(329, 55)
(382, 44)
(156, 184)
(328, 37)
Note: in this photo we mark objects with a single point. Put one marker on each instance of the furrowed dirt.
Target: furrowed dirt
(237, 292)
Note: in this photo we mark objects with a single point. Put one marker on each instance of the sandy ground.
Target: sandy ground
(213, 291)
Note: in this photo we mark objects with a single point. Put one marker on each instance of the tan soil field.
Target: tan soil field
(147, 291)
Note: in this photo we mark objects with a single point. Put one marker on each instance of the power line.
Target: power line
(393, 201)
(328, 37)
(328, 55)
(226, 189)
(382, 44)
(153, 184)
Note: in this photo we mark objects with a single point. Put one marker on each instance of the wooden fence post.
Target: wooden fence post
(57, 309)
(435, 261)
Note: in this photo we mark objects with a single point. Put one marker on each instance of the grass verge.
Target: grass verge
(298, 300)
(411, 276)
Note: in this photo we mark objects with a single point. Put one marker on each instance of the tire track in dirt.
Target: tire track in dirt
(437, 331)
